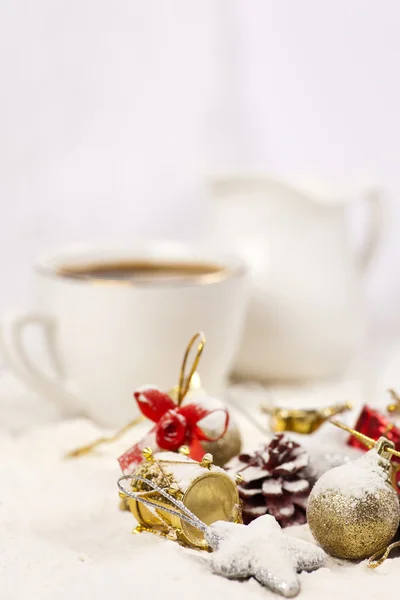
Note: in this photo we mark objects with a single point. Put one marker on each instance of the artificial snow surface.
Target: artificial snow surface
(63, 537)
(354, 480)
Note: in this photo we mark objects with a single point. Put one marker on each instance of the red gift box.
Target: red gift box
(373, 424)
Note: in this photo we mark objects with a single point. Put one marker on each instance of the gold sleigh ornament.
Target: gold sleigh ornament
(207, 491)
(300, 420)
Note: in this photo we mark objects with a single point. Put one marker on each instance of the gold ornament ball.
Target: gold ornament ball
(352, 527)
(228, 446)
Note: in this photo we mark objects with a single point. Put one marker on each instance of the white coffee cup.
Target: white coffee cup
(108, 336)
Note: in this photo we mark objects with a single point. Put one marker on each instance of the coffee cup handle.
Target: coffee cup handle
(19, 360)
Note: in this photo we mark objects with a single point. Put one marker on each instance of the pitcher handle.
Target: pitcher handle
(373, 198)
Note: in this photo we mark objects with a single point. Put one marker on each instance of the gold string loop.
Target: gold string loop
(183, 388)
(184, 382)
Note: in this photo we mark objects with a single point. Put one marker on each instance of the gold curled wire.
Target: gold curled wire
(374, 561)
(104, 440)
(184, 382)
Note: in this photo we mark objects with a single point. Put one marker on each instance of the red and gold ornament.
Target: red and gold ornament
(178, 421)
(374, 424)
(175, 426)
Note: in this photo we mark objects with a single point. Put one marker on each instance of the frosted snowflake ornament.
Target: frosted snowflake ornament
(260, 550)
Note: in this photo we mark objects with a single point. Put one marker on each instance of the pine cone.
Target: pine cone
(276, 480)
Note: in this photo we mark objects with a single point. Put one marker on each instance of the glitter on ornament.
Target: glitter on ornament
(353, 510)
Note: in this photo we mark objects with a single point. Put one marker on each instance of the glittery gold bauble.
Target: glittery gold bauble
(228, 446)
(353, 511)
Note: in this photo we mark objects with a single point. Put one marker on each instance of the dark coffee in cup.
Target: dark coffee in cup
(135, 270)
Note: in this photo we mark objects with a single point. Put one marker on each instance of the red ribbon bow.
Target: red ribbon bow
(175, 426)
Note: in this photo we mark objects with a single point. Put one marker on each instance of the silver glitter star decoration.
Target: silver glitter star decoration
(261, 550)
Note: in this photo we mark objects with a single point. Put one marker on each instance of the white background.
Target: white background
(112, 112)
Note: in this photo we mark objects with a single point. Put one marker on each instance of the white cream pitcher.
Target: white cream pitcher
(306, 313)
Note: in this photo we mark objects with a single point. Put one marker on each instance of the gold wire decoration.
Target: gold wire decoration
(104, 440)
(379, 557)
(182, 389)
(384, 446)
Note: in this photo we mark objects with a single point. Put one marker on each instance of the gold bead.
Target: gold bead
(238, 478)
(148, 454)
(139, 529)
(173, 489)
(184, 450)
(173, 534)
(207, 461)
